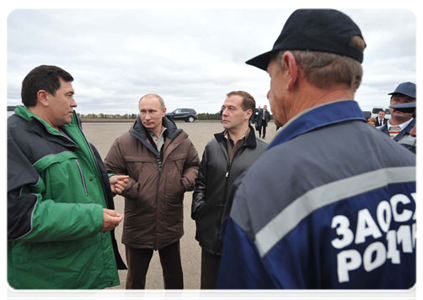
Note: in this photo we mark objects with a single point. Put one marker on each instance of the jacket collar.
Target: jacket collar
(139, 132)
(318, 117)
(403, 132)
(249, 142)
(37, 124)
(172, 131)
(27, 115)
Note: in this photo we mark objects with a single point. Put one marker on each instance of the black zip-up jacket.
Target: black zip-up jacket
(215, 177)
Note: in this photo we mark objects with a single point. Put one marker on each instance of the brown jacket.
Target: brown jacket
(154, 196)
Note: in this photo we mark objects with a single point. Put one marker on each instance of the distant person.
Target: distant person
(372, 121)
(255, 116)
(263, 119)
(401, 122)
(331, 202)
(380, 120)
(225, 157)
(162, 165)
(414, 108)
(60, 205)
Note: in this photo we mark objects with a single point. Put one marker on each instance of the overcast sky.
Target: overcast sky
(191, 57)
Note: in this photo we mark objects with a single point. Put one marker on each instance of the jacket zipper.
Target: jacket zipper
(82, 176)
(228, 171)
(106, 204)
(78, 122)
(159, 167)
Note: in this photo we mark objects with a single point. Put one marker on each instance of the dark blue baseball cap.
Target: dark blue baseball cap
(323, 30)
(406, 88)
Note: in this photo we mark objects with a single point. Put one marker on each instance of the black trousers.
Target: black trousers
(139, 260)
(209, 270)
(264, 129)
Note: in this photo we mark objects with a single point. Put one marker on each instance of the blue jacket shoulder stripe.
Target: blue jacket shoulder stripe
(324, 195)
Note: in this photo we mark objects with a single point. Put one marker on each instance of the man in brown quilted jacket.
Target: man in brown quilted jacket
(162, 164)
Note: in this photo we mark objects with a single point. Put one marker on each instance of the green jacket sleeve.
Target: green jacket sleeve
(53, 221)
(30, 217)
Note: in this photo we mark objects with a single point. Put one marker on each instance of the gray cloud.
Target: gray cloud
(192, 57)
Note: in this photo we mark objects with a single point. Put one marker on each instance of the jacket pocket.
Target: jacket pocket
(138, 166)
(178, 161)
(141, 194)
(63, 176)
(174, 185)
(30, 252)
(132, 194)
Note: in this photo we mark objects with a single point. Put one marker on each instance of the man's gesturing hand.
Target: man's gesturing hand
(118, 183)
(111, 219)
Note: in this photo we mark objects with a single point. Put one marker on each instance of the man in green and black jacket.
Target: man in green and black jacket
(60, 202)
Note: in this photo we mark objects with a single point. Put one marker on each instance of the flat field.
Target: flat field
(102, 135)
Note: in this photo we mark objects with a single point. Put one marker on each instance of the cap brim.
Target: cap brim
(404, 105)
(261, 61)
(403, 93)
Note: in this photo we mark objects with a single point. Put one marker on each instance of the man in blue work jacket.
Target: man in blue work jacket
(331, 202)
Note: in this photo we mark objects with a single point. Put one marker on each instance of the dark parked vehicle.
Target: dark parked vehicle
(367, 114)
(10, 110)
(186, 114)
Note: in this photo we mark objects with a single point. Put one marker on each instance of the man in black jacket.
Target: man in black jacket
(225, 157)
(381, 120)
(263, 119)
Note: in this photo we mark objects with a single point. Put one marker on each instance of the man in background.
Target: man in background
(255, 115)
(414, 108)
(402, 121)
(263, 119)
(380, 120)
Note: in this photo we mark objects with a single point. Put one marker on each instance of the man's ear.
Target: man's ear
(291, 67)
(249, 113)
(42, 98)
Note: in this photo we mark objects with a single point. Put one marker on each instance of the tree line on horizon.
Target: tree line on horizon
(201, 116)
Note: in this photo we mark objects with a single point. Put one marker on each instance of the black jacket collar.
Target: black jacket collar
(249, 142)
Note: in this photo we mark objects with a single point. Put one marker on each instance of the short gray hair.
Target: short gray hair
(161, 101)
(326, 69)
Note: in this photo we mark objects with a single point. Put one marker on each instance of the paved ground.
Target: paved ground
(102, 136)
